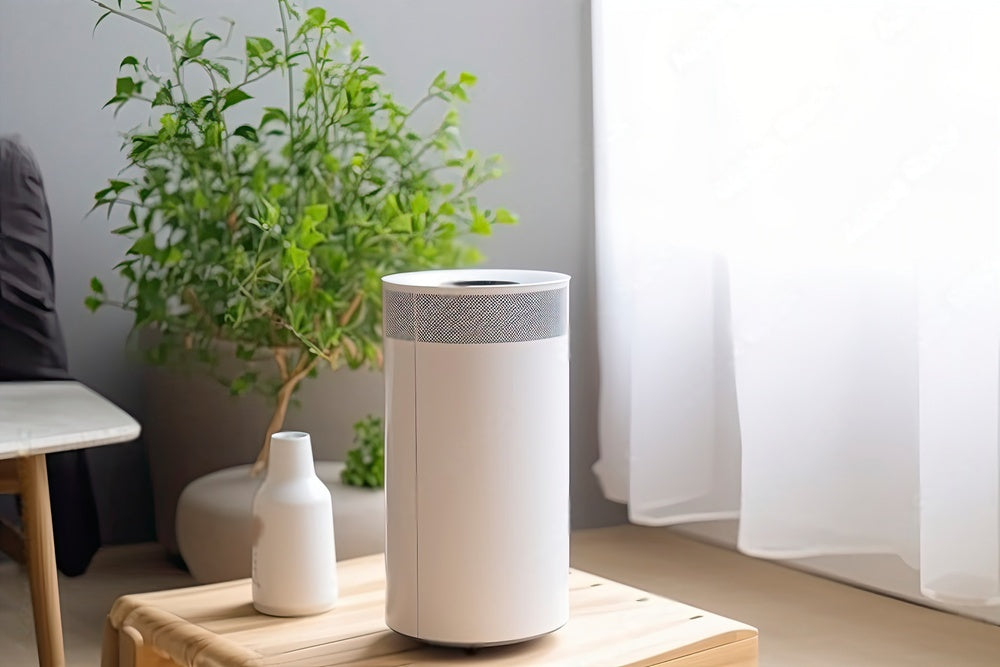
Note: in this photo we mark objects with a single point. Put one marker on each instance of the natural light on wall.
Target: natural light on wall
(798, 206)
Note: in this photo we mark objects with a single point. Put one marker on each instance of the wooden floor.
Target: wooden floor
(85, 602)
(804, 621)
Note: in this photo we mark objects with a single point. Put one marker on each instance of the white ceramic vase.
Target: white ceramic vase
(293, 558)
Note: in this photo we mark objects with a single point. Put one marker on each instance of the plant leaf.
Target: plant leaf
(124, 86)
(256, 47)
(242, 383)
(338, 23)
(174, 255)
(126, 229)
(480, 225)
(144, 245)
(402, 223)
(317, 212)
(163, 96)
(247, 132)
(505, 217)
(316, 15)
(420, 204)
(273, 113)
(244, 352)
(103, 16)
(235, 96)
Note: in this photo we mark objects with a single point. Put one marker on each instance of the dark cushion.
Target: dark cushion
(31, 341)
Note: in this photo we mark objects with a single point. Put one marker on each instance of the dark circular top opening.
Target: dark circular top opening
(481, 283)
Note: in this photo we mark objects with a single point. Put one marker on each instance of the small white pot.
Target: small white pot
(215, 526)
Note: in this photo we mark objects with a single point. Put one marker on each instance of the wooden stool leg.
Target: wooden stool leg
(133, 652)
(110, 653)
(41, 556)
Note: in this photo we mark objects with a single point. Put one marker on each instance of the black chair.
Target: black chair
(32, 348)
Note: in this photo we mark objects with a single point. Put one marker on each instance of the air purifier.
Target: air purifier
(477, 454)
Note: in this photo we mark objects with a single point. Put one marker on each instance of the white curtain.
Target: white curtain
(798, 280)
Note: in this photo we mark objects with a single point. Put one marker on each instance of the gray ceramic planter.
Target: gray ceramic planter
(194, 427)
(215, 529)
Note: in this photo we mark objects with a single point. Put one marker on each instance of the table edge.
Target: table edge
(125, 430)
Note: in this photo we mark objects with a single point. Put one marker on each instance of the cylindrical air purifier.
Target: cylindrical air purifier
(477, 454)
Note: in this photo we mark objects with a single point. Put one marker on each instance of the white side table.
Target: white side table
(37, 418)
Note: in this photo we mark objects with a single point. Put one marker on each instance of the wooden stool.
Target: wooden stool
(610, 624)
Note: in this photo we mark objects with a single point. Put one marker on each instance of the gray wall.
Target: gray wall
(532, 104)
(52, 79)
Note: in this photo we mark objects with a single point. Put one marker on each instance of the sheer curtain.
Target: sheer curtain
(798, 278)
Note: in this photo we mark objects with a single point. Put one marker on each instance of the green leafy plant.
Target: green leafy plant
(273, 234)
(365, 463)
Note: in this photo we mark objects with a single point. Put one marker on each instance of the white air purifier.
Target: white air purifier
(477, 455)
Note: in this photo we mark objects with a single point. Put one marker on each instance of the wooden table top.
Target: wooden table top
(44, 417)
(610, 624)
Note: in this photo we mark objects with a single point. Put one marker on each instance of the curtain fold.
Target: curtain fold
(798, 276)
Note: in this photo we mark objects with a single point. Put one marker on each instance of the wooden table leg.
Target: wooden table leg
(41, 556)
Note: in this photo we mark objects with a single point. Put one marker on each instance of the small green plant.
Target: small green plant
(365, 464)
(272, 231)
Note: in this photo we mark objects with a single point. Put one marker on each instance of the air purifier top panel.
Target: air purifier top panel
(475, 307)
(475, 281)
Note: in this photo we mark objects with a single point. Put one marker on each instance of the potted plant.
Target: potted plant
(260, 228)
(365, 464)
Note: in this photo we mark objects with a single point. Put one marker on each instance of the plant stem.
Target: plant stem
(224, 133)
(356, 191)
(281, 359)
(252, 79)
(291, 87)
(306, 363)
(277, 419)
(173, 53)
(311, 346)
(351, 309)
(199, 176)
(320, 94)
(124, 15)
(121, 200)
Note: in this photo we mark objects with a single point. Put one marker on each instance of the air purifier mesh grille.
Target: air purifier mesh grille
(475, 319)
